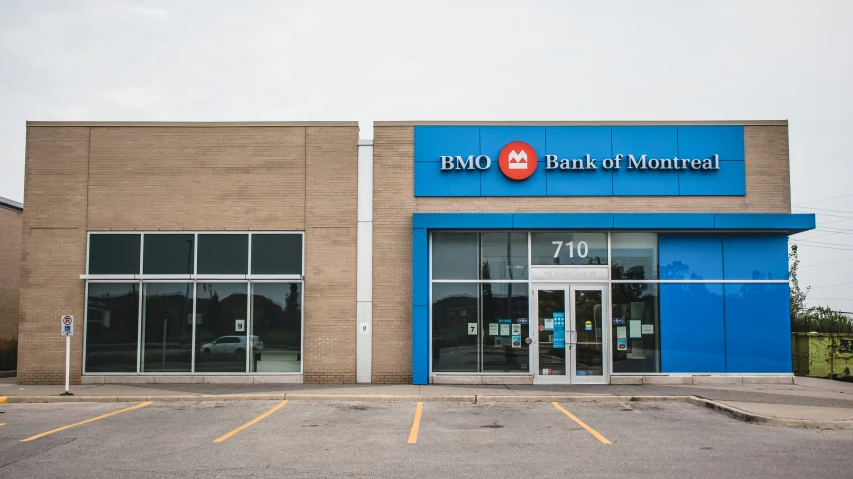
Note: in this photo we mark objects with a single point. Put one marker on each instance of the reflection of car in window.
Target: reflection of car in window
(231, 345)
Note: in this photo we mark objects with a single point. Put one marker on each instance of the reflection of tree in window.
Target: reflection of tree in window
(634, 272)
(677, 270)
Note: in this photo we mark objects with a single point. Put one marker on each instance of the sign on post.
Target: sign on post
(67, 325)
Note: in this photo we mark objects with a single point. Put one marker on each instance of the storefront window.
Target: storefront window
(566, 248)
(505, 324)
(503, 256)
(454, 256)
(168, 254)
(223, 254)
(113, 253)
(216, 309)
(636, 328)
(167, 327)
(634, 255)
(276, 327)
(221, 323)
(112, 327)
(276, 254)
(455, 327)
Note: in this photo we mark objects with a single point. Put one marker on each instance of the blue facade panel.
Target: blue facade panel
(431, 181)
(790, 223)
(562, 220)
(703, 141)
(645, 183)
(753, 257)
(462, 220)
(758, 328)
(575, 142)
(420, 306)
(729, 180)
(692, 333)
(694, 257)
(704, 327)
(654, 142)
(432, 142)
(494, 138)
(663, 221)
(579, 183)
(494, 183)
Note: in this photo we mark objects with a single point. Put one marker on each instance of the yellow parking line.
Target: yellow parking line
(2, 399)
(253, 421)
(416, 424)
(582, 424)
(141, 405)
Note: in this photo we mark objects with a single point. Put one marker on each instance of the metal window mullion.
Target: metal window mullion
(479, 237)
(85, 324)
(195, 258)
(302, 328)
(248, 318)
(139, 330)
(192, 333)
(429, 306)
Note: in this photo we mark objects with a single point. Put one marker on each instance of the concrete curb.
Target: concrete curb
(730, 411)
(767, 420)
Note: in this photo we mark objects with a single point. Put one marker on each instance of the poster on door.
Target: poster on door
(559, 330)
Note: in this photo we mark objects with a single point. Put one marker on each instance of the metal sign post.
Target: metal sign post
(67, 330)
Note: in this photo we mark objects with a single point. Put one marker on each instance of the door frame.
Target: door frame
(571, 350)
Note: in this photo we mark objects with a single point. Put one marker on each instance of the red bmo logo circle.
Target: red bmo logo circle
(518, 160)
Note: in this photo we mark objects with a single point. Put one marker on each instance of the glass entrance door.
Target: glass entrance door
(568, 342)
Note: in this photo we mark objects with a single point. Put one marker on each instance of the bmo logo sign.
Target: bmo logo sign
(517, 161)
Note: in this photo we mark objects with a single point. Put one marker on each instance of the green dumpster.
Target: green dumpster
(822, 355)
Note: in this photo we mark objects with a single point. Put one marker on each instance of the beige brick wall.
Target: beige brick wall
(187, 177)
(54, 251)
(10, 271)
(767, 190)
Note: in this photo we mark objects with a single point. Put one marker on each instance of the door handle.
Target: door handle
(528, 340)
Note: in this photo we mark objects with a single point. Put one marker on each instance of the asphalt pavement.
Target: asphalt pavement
(346, 439)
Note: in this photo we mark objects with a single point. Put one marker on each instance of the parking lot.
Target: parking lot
(386, 439)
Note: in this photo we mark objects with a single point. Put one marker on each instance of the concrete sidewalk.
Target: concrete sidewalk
(809, 402)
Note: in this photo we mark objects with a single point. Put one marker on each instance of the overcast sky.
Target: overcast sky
(456, 60)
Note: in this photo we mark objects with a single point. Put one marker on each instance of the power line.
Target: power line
(825, 243)
(828, 214)
(826, 247)
(823, 264)
(824, 199)
(823, 209)
(830, 285)
(835, 221)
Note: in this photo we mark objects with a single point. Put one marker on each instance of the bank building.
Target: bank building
(434, 253)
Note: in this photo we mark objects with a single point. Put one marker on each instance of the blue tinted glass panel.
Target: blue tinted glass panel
(755, 257)
(690, 257)
(692, 328)
(758, 328)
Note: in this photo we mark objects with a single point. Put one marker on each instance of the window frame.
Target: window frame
(194, 279)
(608, 283)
